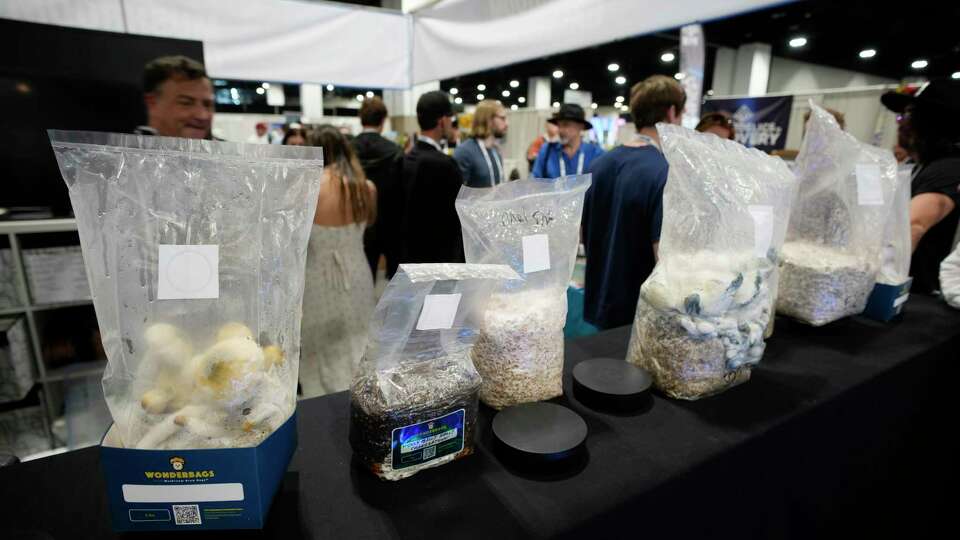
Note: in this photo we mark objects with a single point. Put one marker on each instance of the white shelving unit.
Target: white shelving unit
(14, 230)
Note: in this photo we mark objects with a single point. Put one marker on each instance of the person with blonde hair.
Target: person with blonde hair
(338, 296)
(479, 157)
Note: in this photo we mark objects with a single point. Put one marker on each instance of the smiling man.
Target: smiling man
(179, 98)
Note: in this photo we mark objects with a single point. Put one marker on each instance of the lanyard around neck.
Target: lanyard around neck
(563, 166)
(640, 137)
(486, 157)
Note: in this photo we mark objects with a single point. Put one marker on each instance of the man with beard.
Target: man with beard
(479, 157)
(571, 155)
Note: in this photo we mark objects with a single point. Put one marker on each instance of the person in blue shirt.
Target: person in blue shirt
(623, 208)
(571, 155)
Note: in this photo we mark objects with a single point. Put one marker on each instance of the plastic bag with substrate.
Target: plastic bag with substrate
(195, 252)
(832, 253)
(701, 315)
(413, 402)
(897, 248)
(533, 226)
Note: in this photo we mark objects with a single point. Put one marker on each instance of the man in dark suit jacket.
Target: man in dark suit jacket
(428, 227)
(380, 160)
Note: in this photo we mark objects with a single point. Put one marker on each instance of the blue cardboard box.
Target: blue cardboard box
(228, 488)
(886, 301)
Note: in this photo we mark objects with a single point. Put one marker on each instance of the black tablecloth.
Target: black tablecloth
(843, 429)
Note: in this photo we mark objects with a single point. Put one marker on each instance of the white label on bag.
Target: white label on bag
(188, 272)
(139, 493)
(762, 228)
(536, 253)
(439, 311)
(869, 189)
(900, 300)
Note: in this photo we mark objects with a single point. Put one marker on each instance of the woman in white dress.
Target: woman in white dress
(338, 297)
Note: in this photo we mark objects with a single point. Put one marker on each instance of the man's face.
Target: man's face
(449, 132)
(569, 131)
(181, 108)
(261, 130)
(499, 124)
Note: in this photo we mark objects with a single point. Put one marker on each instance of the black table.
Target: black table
(843, 429)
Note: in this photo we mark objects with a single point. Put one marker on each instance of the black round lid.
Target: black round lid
(539, 431)
(611, 382)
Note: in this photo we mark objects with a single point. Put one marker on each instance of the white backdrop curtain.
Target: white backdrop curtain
(454, 37)
(272, 40)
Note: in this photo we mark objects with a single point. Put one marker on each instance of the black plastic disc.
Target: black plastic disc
(536, 435)
(609, 383)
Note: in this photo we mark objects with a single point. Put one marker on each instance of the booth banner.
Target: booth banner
(760, 122)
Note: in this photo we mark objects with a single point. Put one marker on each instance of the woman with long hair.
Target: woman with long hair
(338, 297)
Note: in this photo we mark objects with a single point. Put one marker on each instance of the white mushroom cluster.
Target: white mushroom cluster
(230, 395)
(700, 322)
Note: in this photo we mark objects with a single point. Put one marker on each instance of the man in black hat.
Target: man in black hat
(571, 155)
(930, 130)
(427, 225)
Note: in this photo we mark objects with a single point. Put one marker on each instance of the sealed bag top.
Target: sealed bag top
(846, 189)
(721, 196)
(532, 225)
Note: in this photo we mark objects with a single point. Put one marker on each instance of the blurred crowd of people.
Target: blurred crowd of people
(380, 202)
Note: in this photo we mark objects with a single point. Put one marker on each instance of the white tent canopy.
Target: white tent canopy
(298, 41)
(454, 37)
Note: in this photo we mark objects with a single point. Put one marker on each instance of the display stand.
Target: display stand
(539, 436)
(611, 384)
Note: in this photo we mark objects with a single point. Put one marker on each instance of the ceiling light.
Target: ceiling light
(454, 91)
(369, 93)
(919, 64)
(613, 67)
(514, 107)
(265, 85)
(679, 76)
(574, 86)
(619, 99)
(514, 84)
(458, 100)
(521, 99)
(955, 75)
(798, 42)
(260, 90)
(620, 79)
(329, 88)
(868, 53)
(481, 87)
(479, 97)
(710, 92)
(557, 74)
(593, 105)
(505, 93)
(556, 104)
(668, 57)
(359, 97)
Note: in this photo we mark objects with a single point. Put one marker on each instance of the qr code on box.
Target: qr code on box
(186, 514)
(429, 453)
